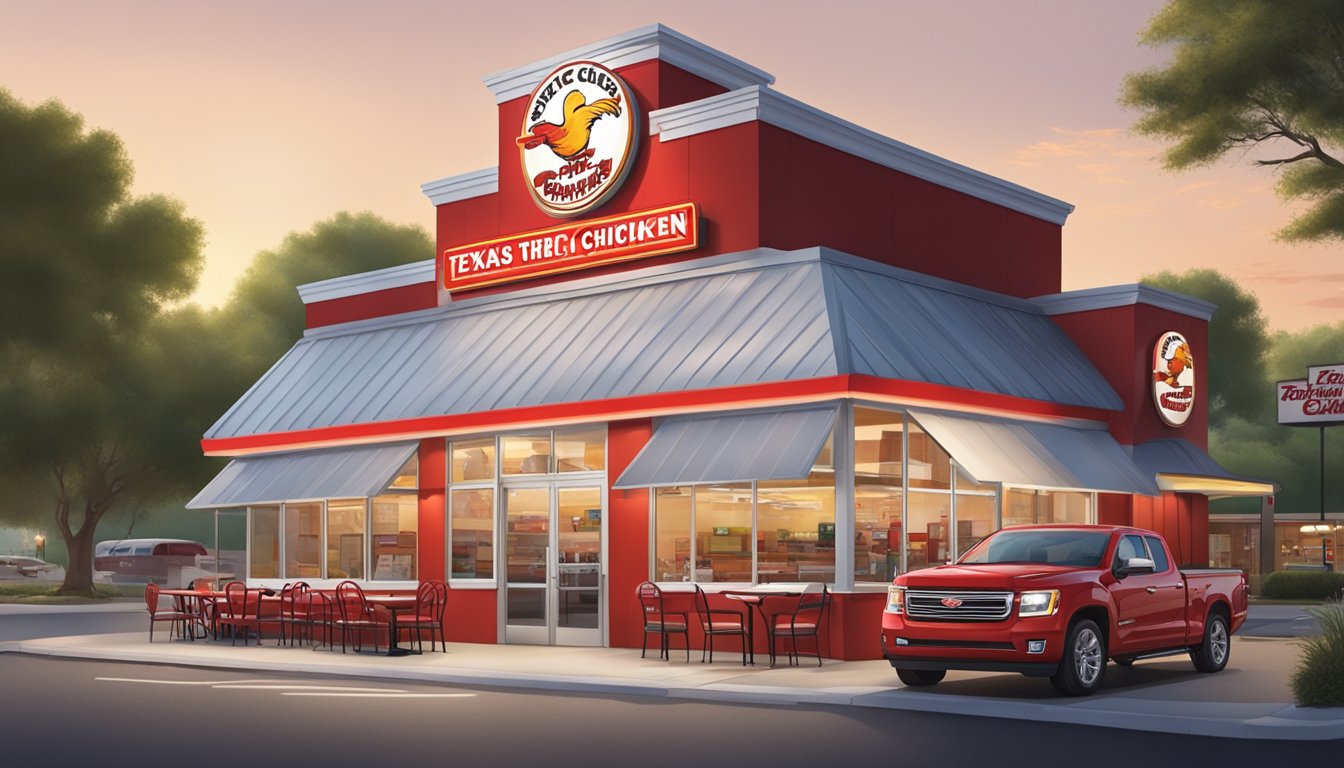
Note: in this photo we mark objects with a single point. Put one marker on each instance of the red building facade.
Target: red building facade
(857, 361)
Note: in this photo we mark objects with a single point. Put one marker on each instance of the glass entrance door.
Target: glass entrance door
(554, 550)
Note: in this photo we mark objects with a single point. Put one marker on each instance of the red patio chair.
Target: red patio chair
(292, 613)
(430, 600)
(716, 622)
(181, 620)
(803, 620)
(240, 611)
(661, 622)
(354, 617)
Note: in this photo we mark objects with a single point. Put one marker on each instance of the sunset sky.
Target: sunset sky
(266, 117)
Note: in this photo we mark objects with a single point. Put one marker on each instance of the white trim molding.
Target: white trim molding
(759, 103)
(1111, 296)
(651, 42)
(462, 186)
(367, 282)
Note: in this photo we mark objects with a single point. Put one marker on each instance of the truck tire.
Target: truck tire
(1084, 663)
(1211, 655)
(918, 677)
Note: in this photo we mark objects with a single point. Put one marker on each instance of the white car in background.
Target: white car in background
(22, 566)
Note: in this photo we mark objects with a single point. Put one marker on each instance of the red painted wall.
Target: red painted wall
(393, 301)
(1119, 344)
(628, 528)
(761, 186)
(1181, 518)
(433, 508)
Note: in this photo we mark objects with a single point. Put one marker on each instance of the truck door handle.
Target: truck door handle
(1151, 590)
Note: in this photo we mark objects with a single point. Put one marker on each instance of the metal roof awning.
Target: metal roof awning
(1037, 455)
(724, 448)
(1184, 467)
(340, 473)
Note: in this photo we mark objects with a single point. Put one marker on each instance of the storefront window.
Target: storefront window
(581, 450)
(408, 477)
(877, 494)
(975, 513)
(1025, 507)
(672, 539)
(345, 539)
(303, 541)
(526, 454)
(394, 525)
(795, 524)
(472, 460)
(929, 505)
(929, 466)
(264, 546)
(723, 543)
(472, 512)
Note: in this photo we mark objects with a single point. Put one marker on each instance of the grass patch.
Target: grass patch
(44, 593)
(1319, 678)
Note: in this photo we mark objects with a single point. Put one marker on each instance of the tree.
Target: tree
(1256, 75)
(86, 270)
(1238, 343)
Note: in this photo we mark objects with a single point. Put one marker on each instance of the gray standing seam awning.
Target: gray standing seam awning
(725, 448)
(1035, 454)
(336, 473)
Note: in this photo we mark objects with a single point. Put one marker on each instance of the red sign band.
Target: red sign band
(573, 246)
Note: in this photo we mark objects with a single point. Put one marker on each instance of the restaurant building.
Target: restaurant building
(691, 329)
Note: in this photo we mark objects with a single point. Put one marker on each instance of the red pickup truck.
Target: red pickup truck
(1056, 601)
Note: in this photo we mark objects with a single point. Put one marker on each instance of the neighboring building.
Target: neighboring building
(729, 339)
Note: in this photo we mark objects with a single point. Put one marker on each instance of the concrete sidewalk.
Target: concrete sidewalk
(1249, 699)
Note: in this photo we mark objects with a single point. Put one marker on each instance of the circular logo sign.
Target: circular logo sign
(578, 138)
(1173, 378)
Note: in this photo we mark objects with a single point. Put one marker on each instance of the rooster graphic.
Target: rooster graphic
(570, 137)
(1180, 360)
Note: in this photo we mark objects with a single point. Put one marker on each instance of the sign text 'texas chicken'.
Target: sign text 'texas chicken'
(580, 245)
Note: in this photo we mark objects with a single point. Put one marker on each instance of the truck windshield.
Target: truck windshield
(1074, 548)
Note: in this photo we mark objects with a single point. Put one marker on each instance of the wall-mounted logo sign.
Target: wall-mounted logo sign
(1317, 400)
(1173, 378)
(578, 138)
(572, 246)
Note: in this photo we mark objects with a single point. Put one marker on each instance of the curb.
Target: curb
(1267, 721)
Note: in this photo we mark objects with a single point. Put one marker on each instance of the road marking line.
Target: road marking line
(255, 687)
(385, 695)
(180, 682)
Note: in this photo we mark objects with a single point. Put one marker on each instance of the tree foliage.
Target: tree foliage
(1238, 343)
(86, 270)
(1253, 74)
(107, 381)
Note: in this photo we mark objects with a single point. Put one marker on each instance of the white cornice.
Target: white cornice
(759, 103)
(368, 282)
(1111, 296)
(652, 42)
(462, 186)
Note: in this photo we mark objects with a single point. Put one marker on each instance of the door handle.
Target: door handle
(1151, 590)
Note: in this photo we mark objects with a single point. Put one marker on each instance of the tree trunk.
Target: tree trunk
(79, 573)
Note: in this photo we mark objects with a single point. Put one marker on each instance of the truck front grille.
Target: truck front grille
(941, 605)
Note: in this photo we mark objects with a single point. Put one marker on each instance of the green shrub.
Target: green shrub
(1302, 585)
(1319, 678)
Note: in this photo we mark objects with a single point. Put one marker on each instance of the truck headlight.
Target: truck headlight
(895, 599)
(1044, 603)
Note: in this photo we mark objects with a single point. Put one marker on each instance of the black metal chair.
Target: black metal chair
(355, 617)
(802, 620)
(430, 600)
(716, 622)
(661, 622)
(293, 610)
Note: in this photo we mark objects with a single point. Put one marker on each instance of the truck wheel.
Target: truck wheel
(1211, 655)
(1084, 663)
(916, 677)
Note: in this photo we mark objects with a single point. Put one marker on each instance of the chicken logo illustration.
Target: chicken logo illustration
(578, 138)
(1173, 378)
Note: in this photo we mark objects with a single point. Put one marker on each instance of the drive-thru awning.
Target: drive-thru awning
(1036, 454)
(734, 447)
(337, 473)
(1182, 466)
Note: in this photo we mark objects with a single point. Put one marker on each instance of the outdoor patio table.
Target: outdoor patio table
(394, 604)
(753, 598)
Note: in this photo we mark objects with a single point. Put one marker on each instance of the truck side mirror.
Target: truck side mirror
(1135, 565)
